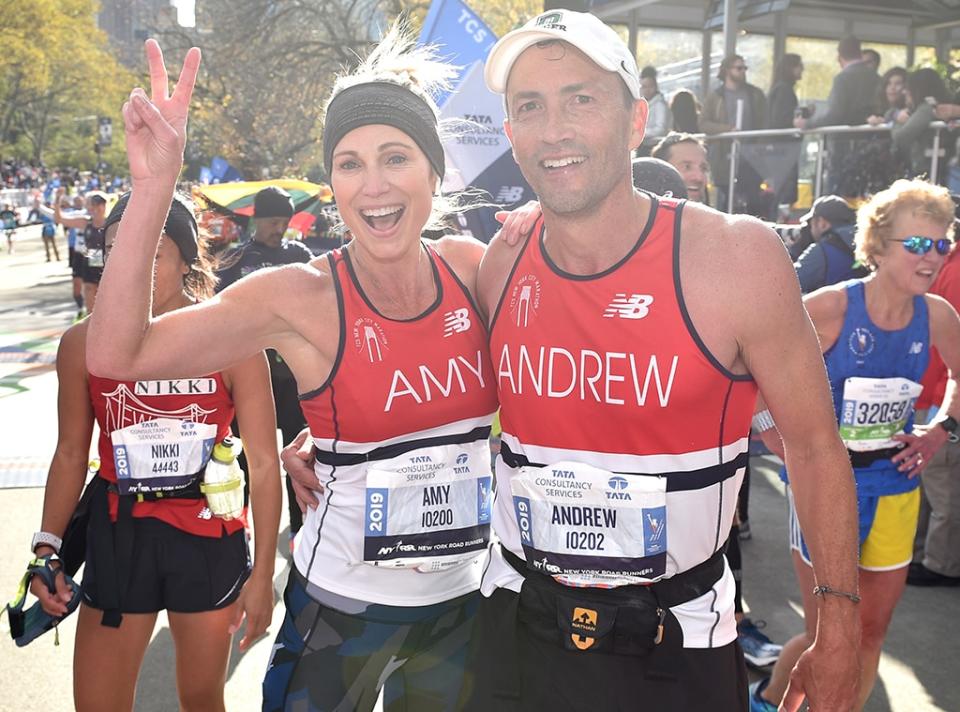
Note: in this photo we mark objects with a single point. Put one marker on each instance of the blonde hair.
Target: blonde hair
(397, 59)
(875, 218)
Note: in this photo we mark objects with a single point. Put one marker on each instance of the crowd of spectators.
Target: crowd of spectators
(857, 165)
(18, 174)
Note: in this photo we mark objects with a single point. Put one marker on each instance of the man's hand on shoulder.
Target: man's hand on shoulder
(495, 267)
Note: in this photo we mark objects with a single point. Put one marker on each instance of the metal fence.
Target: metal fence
(764, 151)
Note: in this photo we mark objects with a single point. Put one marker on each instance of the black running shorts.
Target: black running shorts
(176, 571)
(76, 262)
(513, 667)
(92, 275)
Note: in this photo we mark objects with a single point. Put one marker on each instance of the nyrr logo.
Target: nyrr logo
(552, 21)
(618, 485)
(369, 339)
(861, 342)
(456, 322)
(525, 299)
(584, 621)
(636, 306)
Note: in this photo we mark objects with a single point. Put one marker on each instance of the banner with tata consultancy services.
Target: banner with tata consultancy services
(480, 151)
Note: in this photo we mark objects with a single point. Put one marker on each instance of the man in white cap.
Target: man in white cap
(626, 401)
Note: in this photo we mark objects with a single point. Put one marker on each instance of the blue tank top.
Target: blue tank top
(865, 350)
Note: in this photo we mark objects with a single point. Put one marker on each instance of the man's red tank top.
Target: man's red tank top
(608, 370)
(120, 404)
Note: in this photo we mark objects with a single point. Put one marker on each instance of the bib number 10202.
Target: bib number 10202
(590, 541)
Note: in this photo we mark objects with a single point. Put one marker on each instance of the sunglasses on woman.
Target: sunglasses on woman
(917, 245)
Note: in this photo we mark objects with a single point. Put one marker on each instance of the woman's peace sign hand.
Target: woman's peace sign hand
(156, 127)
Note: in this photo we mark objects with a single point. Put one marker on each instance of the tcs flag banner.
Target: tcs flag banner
(480, 151)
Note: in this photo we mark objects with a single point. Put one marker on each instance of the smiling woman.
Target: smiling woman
(390, 356)
(876, 334)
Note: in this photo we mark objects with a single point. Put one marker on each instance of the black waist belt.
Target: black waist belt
(113, 545)
(669, 592)
(865, 459)
(628, 620)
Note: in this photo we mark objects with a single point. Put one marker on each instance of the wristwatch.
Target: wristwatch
(950, 425)
(53, 540)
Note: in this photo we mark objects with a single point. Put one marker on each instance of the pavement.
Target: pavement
(917, 670)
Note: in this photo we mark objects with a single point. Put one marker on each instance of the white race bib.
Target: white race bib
(161, 455)
(874, 409)
(430, 508)
(587, 527)
(94, 258)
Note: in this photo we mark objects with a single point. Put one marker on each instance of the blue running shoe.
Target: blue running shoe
(758, 650)
(757, 703)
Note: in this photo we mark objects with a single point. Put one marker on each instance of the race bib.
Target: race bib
(162, 455)
(587, 527)
(874, 409)
(94, 258)
(430, 508)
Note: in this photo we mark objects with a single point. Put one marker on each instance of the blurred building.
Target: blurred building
(128, 23)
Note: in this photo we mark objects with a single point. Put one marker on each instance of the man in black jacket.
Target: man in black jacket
(850, 102)
(272, 210)
(720, 115)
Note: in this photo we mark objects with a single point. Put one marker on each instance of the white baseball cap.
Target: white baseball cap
(583, 30)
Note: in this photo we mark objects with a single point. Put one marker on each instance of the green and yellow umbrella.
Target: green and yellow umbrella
(236, 199)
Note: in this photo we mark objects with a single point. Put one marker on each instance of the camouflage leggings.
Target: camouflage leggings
(325, 660)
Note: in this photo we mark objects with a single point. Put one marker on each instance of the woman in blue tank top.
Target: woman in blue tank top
(876, 334)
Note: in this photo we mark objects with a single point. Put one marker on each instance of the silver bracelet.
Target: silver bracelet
(762, 421)
(824, 591)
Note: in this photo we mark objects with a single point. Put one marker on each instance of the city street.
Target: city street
(917, 671)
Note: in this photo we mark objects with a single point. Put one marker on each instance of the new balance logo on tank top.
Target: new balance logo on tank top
(624, 440)
(155, 436)
(401, 429)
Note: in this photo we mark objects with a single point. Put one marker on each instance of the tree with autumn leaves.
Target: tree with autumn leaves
(57, 75)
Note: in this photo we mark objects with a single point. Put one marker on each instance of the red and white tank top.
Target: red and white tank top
(401, 429)
(624, 439)
(154, 435)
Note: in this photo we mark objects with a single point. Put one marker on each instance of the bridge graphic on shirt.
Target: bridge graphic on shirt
(124, 408)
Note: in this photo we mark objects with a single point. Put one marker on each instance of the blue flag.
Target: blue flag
(479, 154)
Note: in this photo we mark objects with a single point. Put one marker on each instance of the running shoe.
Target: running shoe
(920, 575)
(758, 649)
(757, 703)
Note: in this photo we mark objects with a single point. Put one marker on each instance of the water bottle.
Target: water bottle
(223, 480)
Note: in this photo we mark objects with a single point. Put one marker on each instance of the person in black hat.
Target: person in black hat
(829, 259)
(658, 177)
(272, 210)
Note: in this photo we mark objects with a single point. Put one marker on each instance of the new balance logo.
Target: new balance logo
(635, 306)
(916, 347)
(456, 322)
(509, 194)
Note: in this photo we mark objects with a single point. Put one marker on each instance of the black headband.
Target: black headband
(181, 225)
(382, 103)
